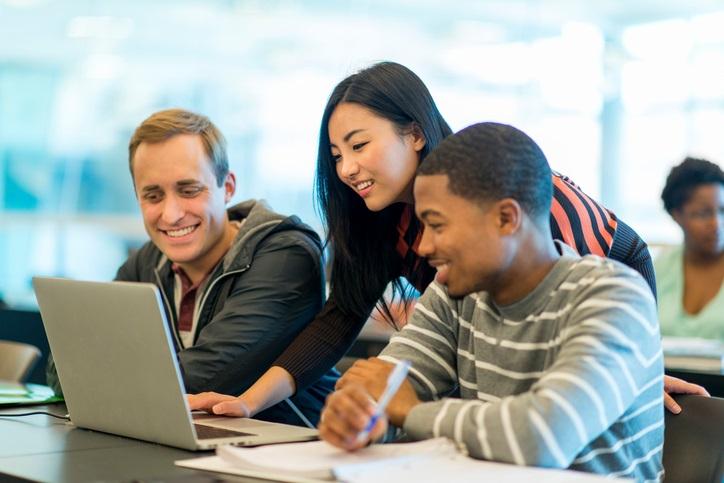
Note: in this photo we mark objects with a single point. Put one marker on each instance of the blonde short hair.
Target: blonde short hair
(163, 125)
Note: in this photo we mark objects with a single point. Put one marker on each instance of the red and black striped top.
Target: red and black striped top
(579, 221)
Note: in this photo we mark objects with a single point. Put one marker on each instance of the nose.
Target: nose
(172, 210)
(347, 168)
(426, 246)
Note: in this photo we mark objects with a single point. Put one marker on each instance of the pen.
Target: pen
(393, 384)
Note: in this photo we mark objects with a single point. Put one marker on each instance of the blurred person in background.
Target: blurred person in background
(689, 277)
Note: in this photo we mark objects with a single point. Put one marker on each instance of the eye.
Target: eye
(190, 191)
(436, 227)
(153, 197)
(336, 157)
(359, 146)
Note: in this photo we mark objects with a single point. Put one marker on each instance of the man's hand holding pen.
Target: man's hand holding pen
(351, 418)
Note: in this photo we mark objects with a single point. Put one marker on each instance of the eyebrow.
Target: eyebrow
(430, 212)
(152, 187)
(348, 136)
(187, 182)
(183, 182)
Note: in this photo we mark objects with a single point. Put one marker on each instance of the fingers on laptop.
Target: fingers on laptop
(206, 401)
(232, 407)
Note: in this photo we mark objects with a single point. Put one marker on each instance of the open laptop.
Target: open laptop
(115, 360)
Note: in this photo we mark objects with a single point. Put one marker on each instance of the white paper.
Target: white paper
(319, 458)
(459, 469)
(421, 468)
(218, 465)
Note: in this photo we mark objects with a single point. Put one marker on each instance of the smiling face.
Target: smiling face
(184, 209)
(372, 157)
(702, 220)
(463, 240)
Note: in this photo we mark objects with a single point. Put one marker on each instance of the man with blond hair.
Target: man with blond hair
(238, 284)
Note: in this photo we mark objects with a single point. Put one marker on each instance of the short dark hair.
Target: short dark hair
(490, 161)
(364, 255)
(684, 178)
(163, 125)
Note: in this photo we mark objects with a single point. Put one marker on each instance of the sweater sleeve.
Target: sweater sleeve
(629, 249)
(610, 354)
(321, 344)
(429, 342)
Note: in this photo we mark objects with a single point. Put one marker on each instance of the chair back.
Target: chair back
(694, 441)
(17, 360)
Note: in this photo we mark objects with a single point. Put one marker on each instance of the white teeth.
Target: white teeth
(363, 185)
(181, 232)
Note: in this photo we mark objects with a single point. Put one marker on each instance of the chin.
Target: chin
(180, 256)
(456, 292)
(460, 290)
(710, 249)
(377, 202)
(376, 206)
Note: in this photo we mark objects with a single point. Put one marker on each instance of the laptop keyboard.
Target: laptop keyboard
(210, 432)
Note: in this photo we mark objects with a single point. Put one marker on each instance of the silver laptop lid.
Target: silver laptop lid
(113, 353)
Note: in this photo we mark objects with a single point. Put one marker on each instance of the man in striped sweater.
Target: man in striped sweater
(521, 350)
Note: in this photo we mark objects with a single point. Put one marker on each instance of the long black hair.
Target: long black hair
(365, 258)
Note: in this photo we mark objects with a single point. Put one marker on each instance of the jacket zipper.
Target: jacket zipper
(176, 335)
(208, 291)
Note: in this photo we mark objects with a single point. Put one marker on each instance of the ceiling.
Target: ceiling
(55, 30)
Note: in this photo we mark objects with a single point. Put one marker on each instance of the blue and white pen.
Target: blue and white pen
(397, 376)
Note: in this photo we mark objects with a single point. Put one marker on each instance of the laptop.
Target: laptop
(115, 360)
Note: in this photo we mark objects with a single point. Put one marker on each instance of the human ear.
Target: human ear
(510, 216)
(229, 186)
(418, 138)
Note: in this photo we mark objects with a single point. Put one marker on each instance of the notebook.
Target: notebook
(115, 360)
(430, 460)
(316, 461)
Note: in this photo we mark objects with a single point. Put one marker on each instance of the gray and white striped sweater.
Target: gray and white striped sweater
(571, 376)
